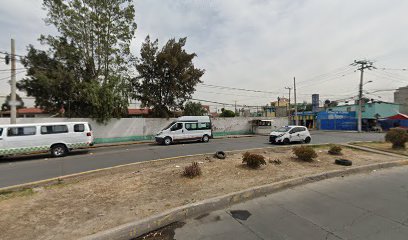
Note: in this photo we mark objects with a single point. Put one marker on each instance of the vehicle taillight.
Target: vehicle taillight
(89, 134)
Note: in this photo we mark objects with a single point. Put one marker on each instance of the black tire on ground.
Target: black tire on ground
(59, 150)
(206, 138)
(286, 141)
(167, 141)
(308, 140)
(343, 162)
(220, 155)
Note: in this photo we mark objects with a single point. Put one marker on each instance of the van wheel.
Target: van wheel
(206, 138)
(308, 139)
(167, 141)
(286, 141)
(59, 150)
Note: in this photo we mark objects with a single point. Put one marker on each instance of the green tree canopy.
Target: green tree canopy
(227, 113)
(167, 77)
(6, 106)
(194, 109)
(85, 69)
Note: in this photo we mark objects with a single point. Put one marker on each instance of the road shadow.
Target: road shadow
(31, 157)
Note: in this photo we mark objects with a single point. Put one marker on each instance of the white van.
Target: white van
(288, 134)
(57, 138)
(186, 128)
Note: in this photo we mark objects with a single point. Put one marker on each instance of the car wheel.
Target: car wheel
(167, 141)
(308, 140)
(286, 141)
(206, 138)
(59, 150)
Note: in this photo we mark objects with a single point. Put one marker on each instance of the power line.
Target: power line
(238, 89)
(9, 77)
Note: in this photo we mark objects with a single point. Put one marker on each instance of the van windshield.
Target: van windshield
(171, 124)
(283, 129)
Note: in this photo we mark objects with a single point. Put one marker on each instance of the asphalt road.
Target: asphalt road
(18, 170)
(366, 206)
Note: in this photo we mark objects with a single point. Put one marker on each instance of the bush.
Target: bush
(253, 160)
(335, 150)
(398, 137)
(305, 153)
(192, 171)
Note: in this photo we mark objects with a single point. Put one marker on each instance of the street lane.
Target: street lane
(18, 170)
(365, 206)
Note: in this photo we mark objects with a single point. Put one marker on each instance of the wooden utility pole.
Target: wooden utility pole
(294, 92)
(13, 103)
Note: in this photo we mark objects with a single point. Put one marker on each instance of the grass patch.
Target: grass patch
(382, 146)
(12, 194)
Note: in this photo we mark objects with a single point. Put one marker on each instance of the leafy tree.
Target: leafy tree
(194, 109)
(85, 69)
(167, 77)
(227, 113)
(6, 105)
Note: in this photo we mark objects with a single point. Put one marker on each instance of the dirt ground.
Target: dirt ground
(88, 204)
(384, 146)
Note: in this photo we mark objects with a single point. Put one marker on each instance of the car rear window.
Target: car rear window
(54, 129)
(79, 127)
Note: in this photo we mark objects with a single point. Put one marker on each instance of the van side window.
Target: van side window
(204, 126)
(53, 129)
(21, 131)
(176, 127)
(191, 126)
(79, 128)
(1, 132)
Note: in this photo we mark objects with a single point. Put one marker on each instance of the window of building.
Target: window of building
(21, 131)
(79, 128)
(53, 129)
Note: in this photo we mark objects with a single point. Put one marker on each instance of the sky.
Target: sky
(259, 44)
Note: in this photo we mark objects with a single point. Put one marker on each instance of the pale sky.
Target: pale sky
(259, 44)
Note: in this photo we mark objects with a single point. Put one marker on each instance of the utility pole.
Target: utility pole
(294, 92)
(364, 64)
(288, 110)
(13, 103)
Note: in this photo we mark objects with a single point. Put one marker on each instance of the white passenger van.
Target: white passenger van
(186, 128)
(57, 138)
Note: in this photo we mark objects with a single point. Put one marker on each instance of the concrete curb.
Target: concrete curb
(140, 227)
(101, 145)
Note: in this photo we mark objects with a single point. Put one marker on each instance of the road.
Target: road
(19, 170)
(365, 206)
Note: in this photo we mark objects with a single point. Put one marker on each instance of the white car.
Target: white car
(288, 134)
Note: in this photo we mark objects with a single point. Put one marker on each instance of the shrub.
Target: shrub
(192, 171)
(398, 137)
(335, 150)
(304, 153)
(253, 160)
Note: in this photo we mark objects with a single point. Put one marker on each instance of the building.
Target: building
(31, 112)
(401, 97)
(370, 110)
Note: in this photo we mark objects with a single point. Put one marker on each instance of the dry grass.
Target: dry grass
(96, 202)
(384, 146)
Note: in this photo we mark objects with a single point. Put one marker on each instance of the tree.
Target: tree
(6, 105)
(85, 69)
(226, 113)
(167, 77)
(194, 109)
(398, 137)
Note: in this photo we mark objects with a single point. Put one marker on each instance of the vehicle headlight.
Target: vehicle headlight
(281, 135)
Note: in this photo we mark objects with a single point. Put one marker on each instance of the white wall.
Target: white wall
(128, 129)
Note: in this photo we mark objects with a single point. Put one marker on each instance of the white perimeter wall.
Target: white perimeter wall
(127, 129)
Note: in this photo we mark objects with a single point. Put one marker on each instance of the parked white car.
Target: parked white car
(288, 134)
(56, 138)
(186, 128)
